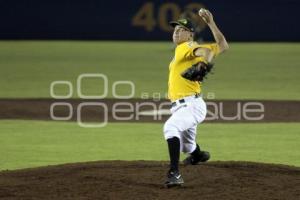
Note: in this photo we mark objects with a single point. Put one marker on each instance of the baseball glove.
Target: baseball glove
(197, 72)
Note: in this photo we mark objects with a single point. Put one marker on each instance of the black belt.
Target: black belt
(183, 101)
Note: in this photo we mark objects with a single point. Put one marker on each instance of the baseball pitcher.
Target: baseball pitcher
(190, 65)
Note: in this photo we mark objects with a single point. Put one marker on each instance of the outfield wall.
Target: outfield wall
(255, 20)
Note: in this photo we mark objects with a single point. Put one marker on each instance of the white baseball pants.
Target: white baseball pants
(184, 120)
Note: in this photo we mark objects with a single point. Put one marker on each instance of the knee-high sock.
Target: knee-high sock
(174, 152)
(196, 153)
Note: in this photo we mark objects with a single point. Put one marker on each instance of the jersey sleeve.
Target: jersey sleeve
(214, 47)
(193, 46)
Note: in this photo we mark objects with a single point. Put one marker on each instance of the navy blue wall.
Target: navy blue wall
(255, 20)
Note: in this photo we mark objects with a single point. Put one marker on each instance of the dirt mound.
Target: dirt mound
(143, 180)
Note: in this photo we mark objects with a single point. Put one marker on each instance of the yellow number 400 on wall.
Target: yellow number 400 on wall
(145, 15)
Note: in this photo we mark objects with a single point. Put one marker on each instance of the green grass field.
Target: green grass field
(247, 71)
(30, 143)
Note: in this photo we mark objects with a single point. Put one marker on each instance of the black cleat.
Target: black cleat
(191, 160)
(174, 179)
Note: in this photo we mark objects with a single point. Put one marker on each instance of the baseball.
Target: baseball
(201, 11)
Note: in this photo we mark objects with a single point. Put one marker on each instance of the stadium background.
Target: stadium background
(117, 20)
(46, 41)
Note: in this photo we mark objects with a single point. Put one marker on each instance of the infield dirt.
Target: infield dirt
(144, 180)
(139, 110)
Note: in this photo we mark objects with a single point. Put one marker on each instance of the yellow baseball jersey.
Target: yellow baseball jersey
(179, 87)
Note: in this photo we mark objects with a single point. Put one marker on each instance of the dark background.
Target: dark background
(255, 20)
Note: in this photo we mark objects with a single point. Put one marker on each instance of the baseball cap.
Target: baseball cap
(185, 23)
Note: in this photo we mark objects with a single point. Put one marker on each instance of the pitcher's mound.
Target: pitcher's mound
(144, 180)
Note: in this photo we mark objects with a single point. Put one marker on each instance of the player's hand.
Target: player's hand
(206, 16)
